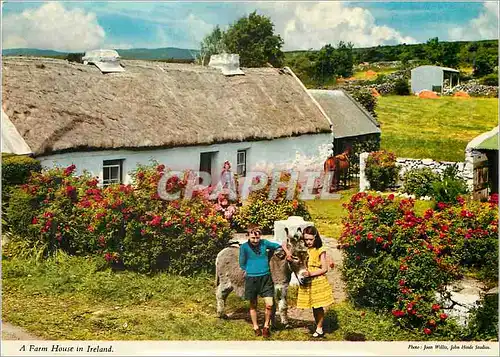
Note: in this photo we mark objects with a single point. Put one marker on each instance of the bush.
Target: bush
(381, 170)
(130, 226)
(259, 209)
(419, 182)
(483, 320)
(450, 187)
(395, 260)
(365, 97)
(16, 170)
(401, 87)
(490, 80)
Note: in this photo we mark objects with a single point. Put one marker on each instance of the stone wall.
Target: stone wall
(465, 168)
(474, 89)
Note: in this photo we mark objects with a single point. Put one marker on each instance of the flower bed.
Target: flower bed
(129, 225)
(397, 260)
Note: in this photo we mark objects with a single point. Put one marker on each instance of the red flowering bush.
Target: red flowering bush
(397, 260)
(127, 225)
(381, 170)
(260, 209)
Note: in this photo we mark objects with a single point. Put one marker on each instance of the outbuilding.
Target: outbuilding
(433, 78)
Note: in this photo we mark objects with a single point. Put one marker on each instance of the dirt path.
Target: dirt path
(11, 332)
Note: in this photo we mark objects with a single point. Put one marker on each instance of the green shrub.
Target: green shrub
(259, 209)
(489, 80)
(483, 320)
(419, 182)
(450, 187)
(16, 170)
(365, 97)
(401, 87)
(381, 170)
(396, 260)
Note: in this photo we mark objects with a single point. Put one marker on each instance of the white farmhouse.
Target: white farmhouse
(184, 116)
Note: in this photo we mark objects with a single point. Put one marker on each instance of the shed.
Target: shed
(433, 78)
(351, 122)
(482, 153)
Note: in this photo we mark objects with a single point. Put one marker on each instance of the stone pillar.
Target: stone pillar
(363, 181)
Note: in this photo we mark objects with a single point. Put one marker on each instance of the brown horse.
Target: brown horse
(338, 166)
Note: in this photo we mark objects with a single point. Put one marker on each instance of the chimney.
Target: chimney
(228, 63)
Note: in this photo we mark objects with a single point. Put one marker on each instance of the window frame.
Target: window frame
(242, 172)
(109, 165)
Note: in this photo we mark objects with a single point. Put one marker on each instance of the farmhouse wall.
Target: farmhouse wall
(465, 169)
(305, 152)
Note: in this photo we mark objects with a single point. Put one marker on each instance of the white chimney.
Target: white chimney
(228, 63)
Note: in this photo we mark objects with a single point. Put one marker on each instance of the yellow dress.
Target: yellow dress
(318, 293)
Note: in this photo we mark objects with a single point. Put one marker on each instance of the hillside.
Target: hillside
(134, 53)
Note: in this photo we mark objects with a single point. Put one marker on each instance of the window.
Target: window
(241, 163)
(112, 172)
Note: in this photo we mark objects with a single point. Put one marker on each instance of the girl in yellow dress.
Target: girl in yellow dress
(316, 294)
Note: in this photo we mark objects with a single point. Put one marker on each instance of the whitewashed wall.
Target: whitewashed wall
(284, 152)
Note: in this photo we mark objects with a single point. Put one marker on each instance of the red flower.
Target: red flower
(403, 267)
(34, 220)
(398, 313)
(370, 236)
(156, 221)
(435, 307)
(69, 170)
(402, 282)
(160, 168)
(427, 331)
(391, 197)
(432, 322)
(443, 316)
(379, 240)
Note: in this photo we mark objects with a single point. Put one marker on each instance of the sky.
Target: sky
(84, 25)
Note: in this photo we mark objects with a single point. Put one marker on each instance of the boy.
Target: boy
(254, 261)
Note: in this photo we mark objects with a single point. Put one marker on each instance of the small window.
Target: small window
(112, 171)
(241, 163)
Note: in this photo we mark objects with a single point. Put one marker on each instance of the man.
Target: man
(254, 261)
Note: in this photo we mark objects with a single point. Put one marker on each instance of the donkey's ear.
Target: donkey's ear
(286, 231)
(299, 230)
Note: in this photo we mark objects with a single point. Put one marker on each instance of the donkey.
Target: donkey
(230, 277)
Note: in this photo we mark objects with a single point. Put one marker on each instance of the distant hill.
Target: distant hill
(133, 53)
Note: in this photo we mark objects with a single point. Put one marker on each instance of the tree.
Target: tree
(434, 51)
(485, 61)
(212, 44)
(450, 54)
(254, 40)
(343, 59)
(325, 66)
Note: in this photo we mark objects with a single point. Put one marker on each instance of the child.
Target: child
(254, 261)
(318, 292)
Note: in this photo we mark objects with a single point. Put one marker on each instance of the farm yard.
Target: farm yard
(130, 176)
(82, 298)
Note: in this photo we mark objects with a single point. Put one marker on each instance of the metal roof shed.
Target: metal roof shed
(432, 78)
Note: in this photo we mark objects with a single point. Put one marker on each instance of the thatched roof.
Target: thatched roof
(59, 106)
(348, 117)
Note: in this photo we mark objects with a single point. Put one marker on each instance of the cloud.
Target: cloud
(483, 27)
(51, 26)
(312, 25)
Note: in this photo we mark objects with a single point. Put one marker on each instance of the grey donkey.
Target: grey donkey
(230, 277)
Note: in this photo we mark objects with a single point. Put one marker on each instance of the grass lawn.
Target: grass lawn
(438, 129)
(71, 298)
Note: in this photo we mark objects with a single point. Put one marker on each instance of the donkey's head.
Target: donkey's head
(298, 249)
